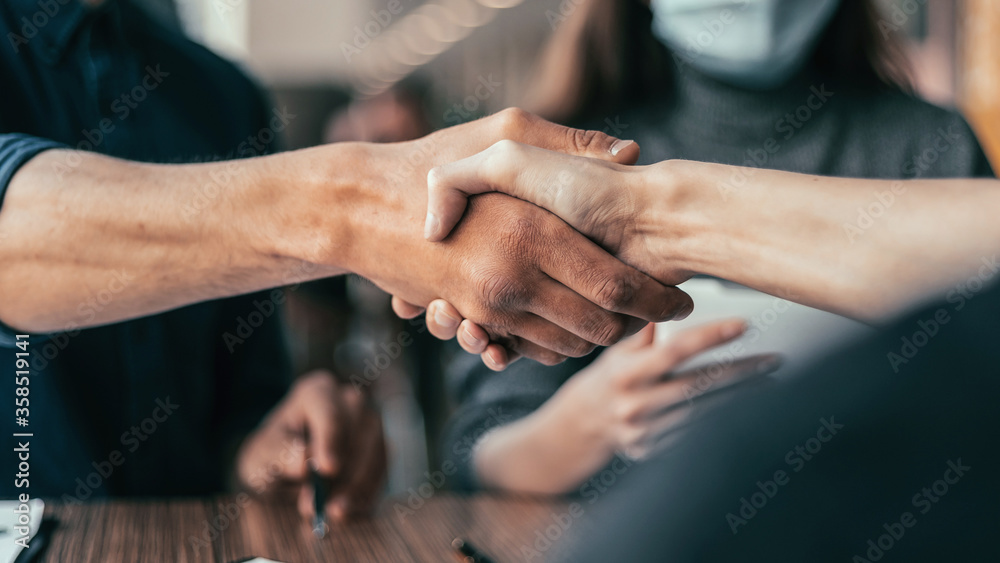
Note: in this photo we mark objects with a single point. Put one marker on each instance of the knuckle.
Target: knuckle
(621, 381)
(627, 412)
(614, 294)
(550, 358)
(580, 347)
(520, 235)
(584, 139)
(434, 177)
(638, 433)
(498, 290)
(512, 122)
(611, 331)
(502, 156)
(541, 355)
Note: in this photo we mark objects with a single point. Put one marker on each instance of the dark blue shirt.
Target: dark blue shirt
(154, 406)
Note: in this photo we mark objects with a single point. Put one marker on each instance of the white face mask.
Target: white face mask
(755, 44)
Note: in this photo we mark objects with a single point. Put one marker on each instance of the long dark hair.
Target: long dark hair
(604, 56)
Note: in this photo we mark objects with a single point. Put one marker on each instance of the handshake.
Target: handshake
(552, 272)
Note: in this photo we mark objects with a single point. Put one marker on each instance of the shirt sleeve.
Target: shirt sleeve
(487, 400)
(15, 150)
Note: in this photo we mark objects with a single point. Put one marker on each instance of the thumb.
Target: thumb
(325, 440)
(523, 171)
(446, 204)
(544, 134)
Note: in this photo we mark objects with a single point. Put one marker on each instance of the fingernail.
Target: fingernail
(619, 146)
(684, 313)
(470, 341)
(733, 331)
(491, 362)
(444, 319)
(768, 365)
(431, 225)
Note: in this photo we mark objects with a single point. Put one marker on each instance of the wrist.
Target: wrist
(676, 228)
(584, 438)
(304, 209)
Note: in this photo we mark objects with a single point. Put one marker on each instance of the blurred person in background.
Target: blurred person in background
(794, 85)
(398, 114)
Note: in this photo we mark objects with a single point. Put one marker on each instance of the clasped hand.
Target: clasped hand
(600, 197)
(530, 282)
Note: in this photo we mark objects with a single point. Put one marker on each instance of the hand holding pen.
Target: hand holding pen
(321, 447)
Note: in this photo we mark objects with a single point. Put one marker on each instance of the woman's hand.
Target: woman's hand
(629, 391)
(326, 424)
(607, 201)
(625, 401)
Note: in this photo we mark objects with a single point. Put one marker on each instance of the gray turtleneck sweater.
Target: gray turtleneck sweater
(810, 125)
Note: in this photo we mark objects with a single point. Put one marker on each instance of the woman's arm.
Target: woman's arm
(862, 248)
(866, 249)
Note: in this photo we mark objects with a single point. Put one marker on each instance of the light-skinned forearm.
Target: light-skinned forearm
(551, 451)
(108, 239)
(863, 248)
(88, 240)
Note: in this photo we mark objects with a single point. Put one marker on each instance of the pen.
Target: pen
(467, 553)
(319, 499)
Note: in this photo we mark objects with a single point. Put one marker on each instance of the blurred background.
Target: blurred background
(393, 70)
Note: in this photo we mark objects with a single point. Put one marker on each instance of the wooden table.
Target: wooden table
(226, 529)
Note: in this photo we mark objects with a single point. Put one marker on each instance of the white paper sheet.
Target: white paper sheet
(9, 519)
